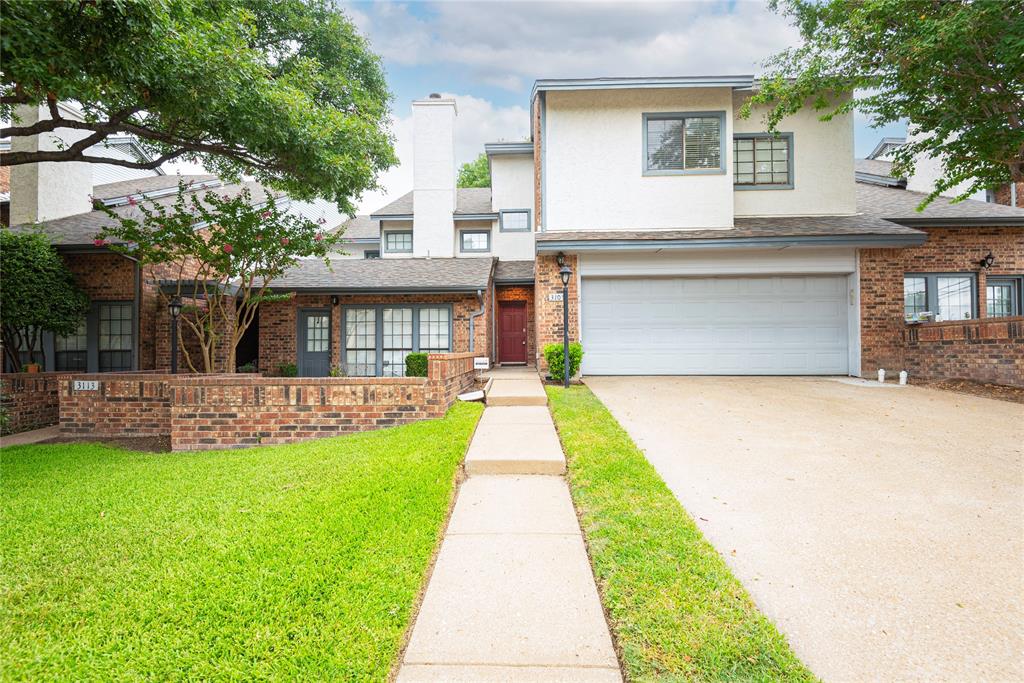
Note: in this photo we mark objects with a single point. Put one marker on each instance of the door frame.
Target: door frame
(300, 345)
(521, 304)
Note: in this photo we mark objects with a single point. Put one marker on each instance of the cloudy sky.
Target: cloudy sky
(488, 54)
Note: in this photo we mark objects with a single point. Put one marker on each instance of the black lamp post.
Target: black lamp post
(565, 272)
(175, 309)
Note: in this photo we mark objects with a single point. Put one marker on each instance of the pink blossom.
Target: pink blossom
(131, 201)
(265, 214)
(284, 241)
(99, 242)
(227, 248)
(319, 237)
(259, 237)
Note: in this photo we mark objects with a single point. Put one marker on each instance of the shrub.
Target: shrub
(247, 368)
(288, 370)
(556, 364)
(336, 371)
(416, 365)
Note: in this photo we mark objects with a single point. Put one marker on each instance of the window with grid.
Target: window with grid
(762, 160)
(478, 240)
(115, 337)
(680, 143)
(398, 241)
(515, 220)
(360, 342)
(318, 333)
(71, 351)
(371, 253)
(1003, 297)
(435, 330)
(396, 340)
(915, 297)
(954, 297)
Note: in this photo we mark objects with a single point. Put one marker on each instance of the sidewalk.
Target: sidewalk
(512, 596)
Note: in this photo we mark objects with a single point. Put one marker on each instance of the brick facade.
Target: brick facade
(516, 293)
(548, 323)
(984, 350)
(30, 399)
(278, 323)
(948, 250)
(202, 412)
(1005, 197)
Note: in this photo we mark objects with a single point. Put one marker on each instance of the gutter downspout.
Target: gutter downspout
(474, 315)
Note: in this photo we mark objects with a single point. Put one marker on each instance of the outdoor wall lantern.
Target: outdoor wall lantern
(560, 259)
(174, 307)
(334, 300)
(988, 260)
(565, 272)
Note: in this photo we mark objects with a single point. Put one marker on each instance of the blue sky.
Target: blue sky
(487, 54)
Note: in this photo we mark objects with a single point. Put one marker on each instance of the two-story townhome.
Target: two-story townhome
(697, 242)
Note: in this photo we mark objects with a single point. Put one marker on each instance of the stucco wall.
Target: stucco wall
(822, 166)
(433, 175)
(595, 159)
(512, 188)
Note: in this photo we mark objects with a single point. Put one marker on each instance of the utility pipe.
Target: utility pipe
(474, 315)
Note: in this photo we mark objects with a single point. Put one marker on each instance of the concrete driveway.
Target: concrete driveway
(881, 529)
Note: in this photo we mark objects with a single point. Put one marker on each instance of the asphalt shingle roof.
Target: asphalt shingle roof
(468, 200)
(900, 206)
(873, 166)
(360, 227)
(388, 275)
(513, 271)
(81, 229)
(135, 186)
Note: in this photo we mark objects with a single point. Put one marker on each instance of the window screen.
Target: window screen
(761, 161)
(684, 143)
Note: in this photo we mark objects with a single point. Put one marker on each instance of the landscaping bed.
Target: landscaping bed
(1000, 392)
(675, 609)
(285, 562)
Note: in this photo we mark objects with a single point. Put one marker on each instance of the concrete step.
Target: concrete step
(517, 392)
(515, 440)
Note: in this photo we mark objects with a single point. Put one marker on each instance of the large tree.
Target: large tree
(287, 91)
(953, 68)
(476, 173)
(38, 293)
(227, 251)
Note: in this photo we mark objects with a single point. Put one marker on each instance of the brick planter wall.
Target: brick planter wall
(123, 404)
(989, 350)
(202, 412)
(30, 399)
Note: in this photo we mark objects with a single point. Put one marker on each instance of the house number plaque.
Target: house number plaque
(555, 296)
(87, 385)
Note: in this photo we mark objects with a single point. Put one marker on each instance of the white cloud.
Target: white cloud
(478, 121)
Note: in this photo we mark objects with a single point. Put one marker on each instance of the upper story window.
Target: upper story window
(475, 241)
(371, 253)
(680, 144)
(514, 220)
(398, 242)
(762, 161)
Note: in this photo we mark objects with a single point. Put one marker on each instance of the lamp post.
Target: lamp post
(175, 309)
(565, 272)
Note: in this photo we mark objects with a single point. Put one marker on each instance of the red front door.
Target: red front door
(512, 332)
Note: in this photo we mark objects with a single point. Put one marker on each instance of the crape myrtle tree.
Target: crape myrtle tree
(286, 91)
(224, 251)
(953, 68)
(37, 293)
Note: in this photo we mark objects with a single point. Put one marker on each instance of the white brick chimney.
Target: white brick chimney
(433, 176)
(42, 192)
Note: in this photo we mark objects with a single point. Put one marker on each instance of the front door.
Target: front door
(512, 332)
(314, 343)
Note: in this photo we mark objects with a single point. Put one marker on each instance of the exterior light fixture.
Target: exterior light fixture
(987, 261)
(560, 259)
(334, 299)
(565, 272)
(174, 307)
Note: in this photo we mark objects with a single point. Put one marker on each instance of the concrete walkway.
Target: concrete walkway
(30, 437)
(512, 596)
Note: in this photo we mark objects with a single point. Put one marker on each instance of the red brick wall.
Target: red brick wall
(948, 250)
(124, 404)
(548, 324)
(984, 350)
(30, 400)
(518, 293)
(278, 323)
(1005, 197)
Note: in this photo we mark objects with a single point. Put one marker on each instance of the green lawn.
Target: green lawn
(286, 562)
(675, 608)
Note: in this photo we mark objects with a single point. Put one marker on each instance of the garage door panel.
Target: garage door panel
(733, 325)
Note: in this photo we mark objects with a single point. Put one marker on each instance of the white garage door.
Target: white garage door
(715, 326)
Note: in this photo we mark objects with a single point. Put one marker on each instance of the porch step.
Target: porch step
(515, 440)
(516, 391)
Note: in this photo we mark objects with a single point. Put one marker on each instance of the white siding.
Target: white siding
(822, 167)
(594, 161)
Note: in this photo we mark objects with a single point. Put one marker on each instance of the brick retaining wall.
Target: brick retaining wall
(202, 412)
(30, 399)
(984, 350)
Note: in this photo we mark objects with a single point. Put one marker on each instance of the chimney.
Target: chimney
(43, 192)
(433, 176)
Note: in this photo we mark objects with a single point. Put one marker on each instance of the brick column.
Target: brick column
(548, 314)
